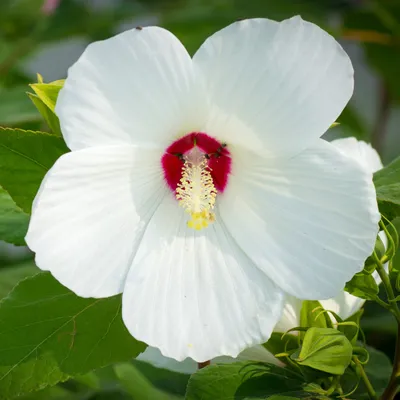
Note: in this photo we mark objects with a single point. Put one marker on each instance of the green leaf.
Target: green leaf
(278, 344)
(54, 393)
(311, 315)
(13, 221)
(48, 92)
(45, 99)
(10, 276)
(246, 380)
(392, 235)
(363, 286)
(378, 370)
(25, 157)
(138, 386)
(50, 118)
(348, 329)
(325, 349)
(34, 374)
(163, 379)
(42, 320)
(370, 263)
(387, 185)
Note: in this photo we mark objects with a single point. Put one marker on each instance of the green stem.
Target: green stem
(382, 303)
(393, 386)
(371, 392)
(388, 287)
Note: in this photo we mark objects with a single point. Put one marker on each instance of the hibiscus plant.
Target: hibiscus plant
(191, 223)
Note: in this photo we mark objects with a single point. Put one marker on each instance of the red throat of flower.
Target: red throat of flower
(196, 168)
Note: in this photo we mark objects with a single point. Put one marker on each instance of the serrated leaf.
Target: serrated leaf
(41, 317)
(325, 349)
(245, 380)
(13, 221)
(25, 157)
(50, 118)
(363, 286)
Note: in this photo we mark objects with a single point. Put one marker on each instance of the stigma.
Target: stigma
(196, 192)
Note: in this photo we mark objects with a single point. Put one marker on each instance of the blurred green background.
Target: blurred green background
(46, 37)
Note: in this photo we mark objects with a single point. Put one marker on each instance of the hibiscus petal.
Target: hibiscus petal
(308, 222)
(274, 87)
(291, 314)
(132, 88)
(196, 294)
(90, 213)
(363, 152)
(345, 304)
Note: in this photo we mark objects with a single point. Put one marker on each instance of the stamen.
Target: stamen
(196, 192)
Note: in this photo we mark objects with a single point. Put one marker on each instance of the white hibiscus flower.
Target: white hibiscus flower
(227, 143)
(344, 304)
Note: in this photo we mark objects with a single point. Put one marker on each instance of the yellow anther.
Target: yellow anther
(196, 192)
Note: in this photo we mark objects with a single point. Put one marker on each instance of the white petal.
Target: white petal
(135, 87)
(363, 152)
(308, 222)
(90, 213)
(196, 294)
(290, 316)
(345, 304)
(274, 87)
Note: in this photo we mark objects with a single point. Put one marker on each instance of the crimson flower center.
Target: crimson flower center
(196, 168)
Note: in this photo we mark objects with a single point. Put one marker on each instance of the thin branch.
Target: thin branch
(371, 392)
(393, 386)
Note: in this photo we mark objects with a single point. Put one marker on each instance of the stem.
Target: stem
(204, 364)
(393, 386)
(382, 303)
(364, 377)
(388, 287)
